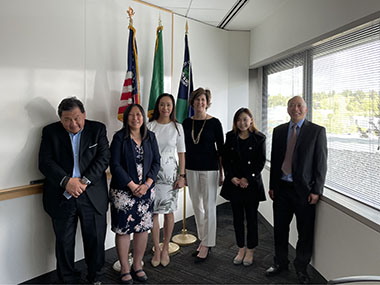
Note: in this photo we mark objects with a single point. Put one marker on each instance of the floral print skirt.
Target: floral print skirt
(165, 196)
(131, 214)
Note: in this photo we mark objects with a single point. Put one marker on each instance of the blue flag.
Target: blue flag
(183, 108)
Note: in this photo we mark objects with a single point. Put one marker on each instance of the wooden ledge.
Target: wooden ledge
(20, 191)
(16, 192)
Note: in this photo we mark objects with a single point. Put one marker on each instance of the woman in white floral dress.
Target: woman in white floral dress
(171, 177)
(135, 162)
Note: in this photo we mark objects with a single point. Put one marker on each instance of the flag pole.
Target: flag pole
(185, 238)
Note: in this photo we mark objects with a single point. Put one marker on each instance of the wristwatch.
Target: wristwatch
(85, 180)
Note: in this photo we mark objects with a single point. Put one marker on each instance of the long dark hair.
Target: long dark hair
(156, 111)
(143, 128)
(252, 128)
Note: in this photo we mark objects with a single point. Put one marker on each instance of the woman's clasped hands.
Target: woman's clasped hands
(139, 190)
(240, 182)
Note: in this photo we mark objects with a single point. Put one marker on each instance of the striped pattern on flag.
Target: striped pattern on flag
(126, 98)
(131, 88)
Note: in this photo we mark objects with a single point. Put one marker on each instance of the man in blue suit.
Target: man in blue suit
(297, 177)
(74, 155)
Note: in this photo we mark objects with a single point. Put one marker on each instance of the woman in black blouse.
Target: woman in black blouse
(243, 161)
(203, 168)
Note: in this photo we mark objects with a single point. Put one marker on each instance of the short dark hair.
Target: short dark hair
(143, 128)
(70, 103)
(198, 92)
(252, 128)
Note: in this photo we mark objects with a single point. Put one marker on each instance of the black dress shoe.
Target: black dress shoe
(123, 281)
(200, 259)
(303, 277)
(141, 279)
(274, 270)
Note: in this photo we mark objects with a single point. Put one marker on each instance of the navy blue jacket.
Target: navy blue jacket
(123, 161)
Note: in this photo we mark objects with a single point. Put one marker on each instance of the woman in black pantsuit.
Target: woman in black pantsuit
(243, 160)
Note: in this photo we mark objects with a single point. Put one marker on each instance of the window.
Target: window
(346, 100)
(342, 79)
(283, 81)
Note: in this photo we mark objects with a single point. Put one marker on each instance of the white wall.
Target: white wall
(41, 61)
(52, 49)
(238, 66)
(343, 245)
(301, 21)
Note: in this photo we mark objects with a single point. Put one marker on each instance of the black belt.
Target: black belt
(288, 183)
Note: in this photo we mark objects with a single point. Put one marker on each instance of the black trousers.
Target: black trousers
(93, 227)
(286, 204)
(245, 208)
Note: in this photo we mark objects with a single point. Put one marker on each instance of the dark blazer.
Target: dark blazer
(309, 162)
(123, 161)
(247, 162)
(56, 161)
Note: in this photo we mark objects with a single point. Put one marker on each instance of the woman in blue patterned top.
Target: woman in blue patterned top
(135, 162)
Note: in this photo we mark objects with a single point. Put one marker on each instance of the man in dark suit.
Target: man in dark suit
(74, 155)
(297, 177)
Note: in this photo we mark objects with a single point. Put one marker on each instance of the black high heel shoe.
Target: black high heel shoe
(141, 279)
(202, 259)
(122, 281)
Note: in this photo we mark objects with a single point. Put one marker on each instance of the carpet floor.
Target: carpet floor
(217, 269)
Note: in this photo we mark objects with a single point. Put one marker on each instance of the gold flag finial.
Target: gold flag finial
(159, 21)
(186, 27)
(130, 13)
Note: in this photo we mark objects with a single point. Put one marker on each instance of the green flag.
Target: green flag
(157, 86)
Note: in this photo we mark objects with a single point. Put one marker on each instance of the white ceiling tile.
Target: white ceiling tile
(254, 12)
(207, 15)
(213, 4)
(179, 11)
(214, 11)
(168, 4)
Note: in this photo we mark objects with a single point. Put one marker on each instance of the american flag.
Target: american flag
(131, 88)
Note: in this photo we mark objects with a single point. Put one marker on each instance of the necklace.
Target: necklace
(196, 141)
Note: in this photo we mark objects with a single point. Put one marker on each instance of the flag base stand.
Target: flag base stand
(173, 248)
(184, 238)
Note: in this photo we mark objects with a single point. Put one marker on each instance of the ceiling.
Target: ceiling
(241, 15)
